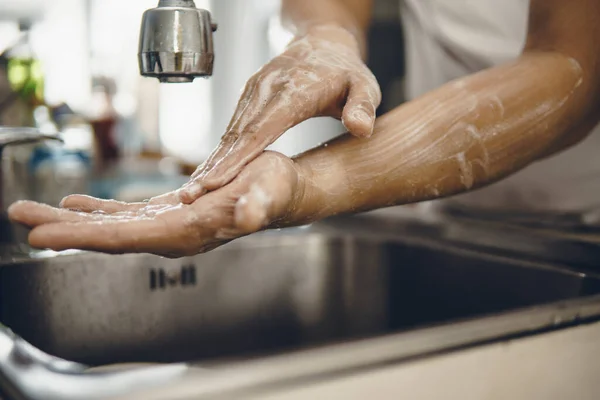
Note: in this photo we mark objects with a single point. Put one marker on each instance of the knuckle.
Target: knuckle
(377, 94)
(251, 83)
(367, 106)
(231, 137)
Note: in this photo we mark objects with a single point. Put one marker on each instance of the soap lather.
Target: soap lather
(176, 42)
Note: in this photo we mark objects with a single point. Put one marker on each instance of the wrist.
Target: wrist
(352, 38)
(295, 213)
(321, 189)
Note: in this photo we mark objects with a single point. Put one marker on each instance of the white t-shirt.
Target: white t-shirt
(448, 39)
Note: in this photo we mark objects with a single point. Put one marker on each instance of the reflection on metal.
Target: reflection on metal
(27, 373)
(265, 292)
(269, 376)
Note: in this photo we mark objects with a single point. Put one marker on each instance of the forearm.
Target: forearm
(353, 15)
(465, 135)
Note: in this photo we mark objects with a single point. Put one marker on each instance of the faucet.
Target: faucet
(176, 42)
(13, 182)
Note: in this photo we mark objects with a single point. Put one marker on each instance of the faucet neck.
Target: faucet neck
(177, 3)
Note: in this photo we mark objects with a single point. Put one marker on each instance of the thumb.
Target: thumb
(264, 202)
(243, 144)
(360, 110)
(252, 210)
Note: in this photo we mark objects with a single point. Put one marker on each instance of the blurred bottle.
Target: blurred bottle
(103, 118)
(24, 75)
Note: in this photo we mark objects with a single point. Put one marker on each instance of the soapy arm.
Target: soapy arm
(353, 15)
(470, 132)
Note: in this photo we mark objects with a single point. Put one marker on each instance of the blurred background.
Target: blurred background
(69, 67)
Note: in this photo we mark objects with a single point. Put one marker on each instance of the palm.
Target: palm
(260, 194)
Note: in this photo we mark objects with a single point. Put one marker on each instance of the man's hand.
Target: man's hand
(262, 194)
(320, 74)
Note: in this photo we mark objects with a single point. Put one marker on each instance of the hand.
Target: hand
(265, 192)
(320, 74)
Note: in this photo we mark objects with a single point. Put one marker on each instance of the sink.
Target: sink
(264, 294)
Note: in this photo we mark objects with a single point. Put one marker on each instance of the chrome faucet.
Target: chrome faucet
(14, 182)
(176, 42)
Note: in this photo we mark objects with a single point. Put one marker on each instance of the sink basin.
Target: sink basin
(263, 294)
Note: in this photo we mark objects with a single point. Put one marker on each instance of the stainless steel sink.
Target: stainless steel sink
(264, 294)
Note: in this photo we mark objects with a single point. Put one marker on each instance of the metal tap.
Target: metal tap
(176, 42)
(14, 182)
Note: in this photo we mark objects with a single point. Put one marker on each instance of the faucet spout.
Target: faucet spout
(176, 42)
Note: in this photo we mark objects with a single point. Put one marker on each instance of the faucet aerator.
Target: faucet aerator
(176, 42)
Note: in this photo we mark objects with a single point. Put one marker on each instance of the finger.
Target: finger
(190, 192)
(126, 236)
(91, 204)
(265, 117)
(244, 101)
(170, 198)
(360, 110)
(259, 92)
(270, 125)
(32, 214)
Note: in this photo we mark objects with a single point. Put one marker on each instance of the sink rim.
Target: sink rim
(364, 355)
(330, 233)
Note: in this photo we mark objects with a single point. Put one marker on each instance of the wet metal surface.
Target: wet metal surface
(269, 292)
(413, 287)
